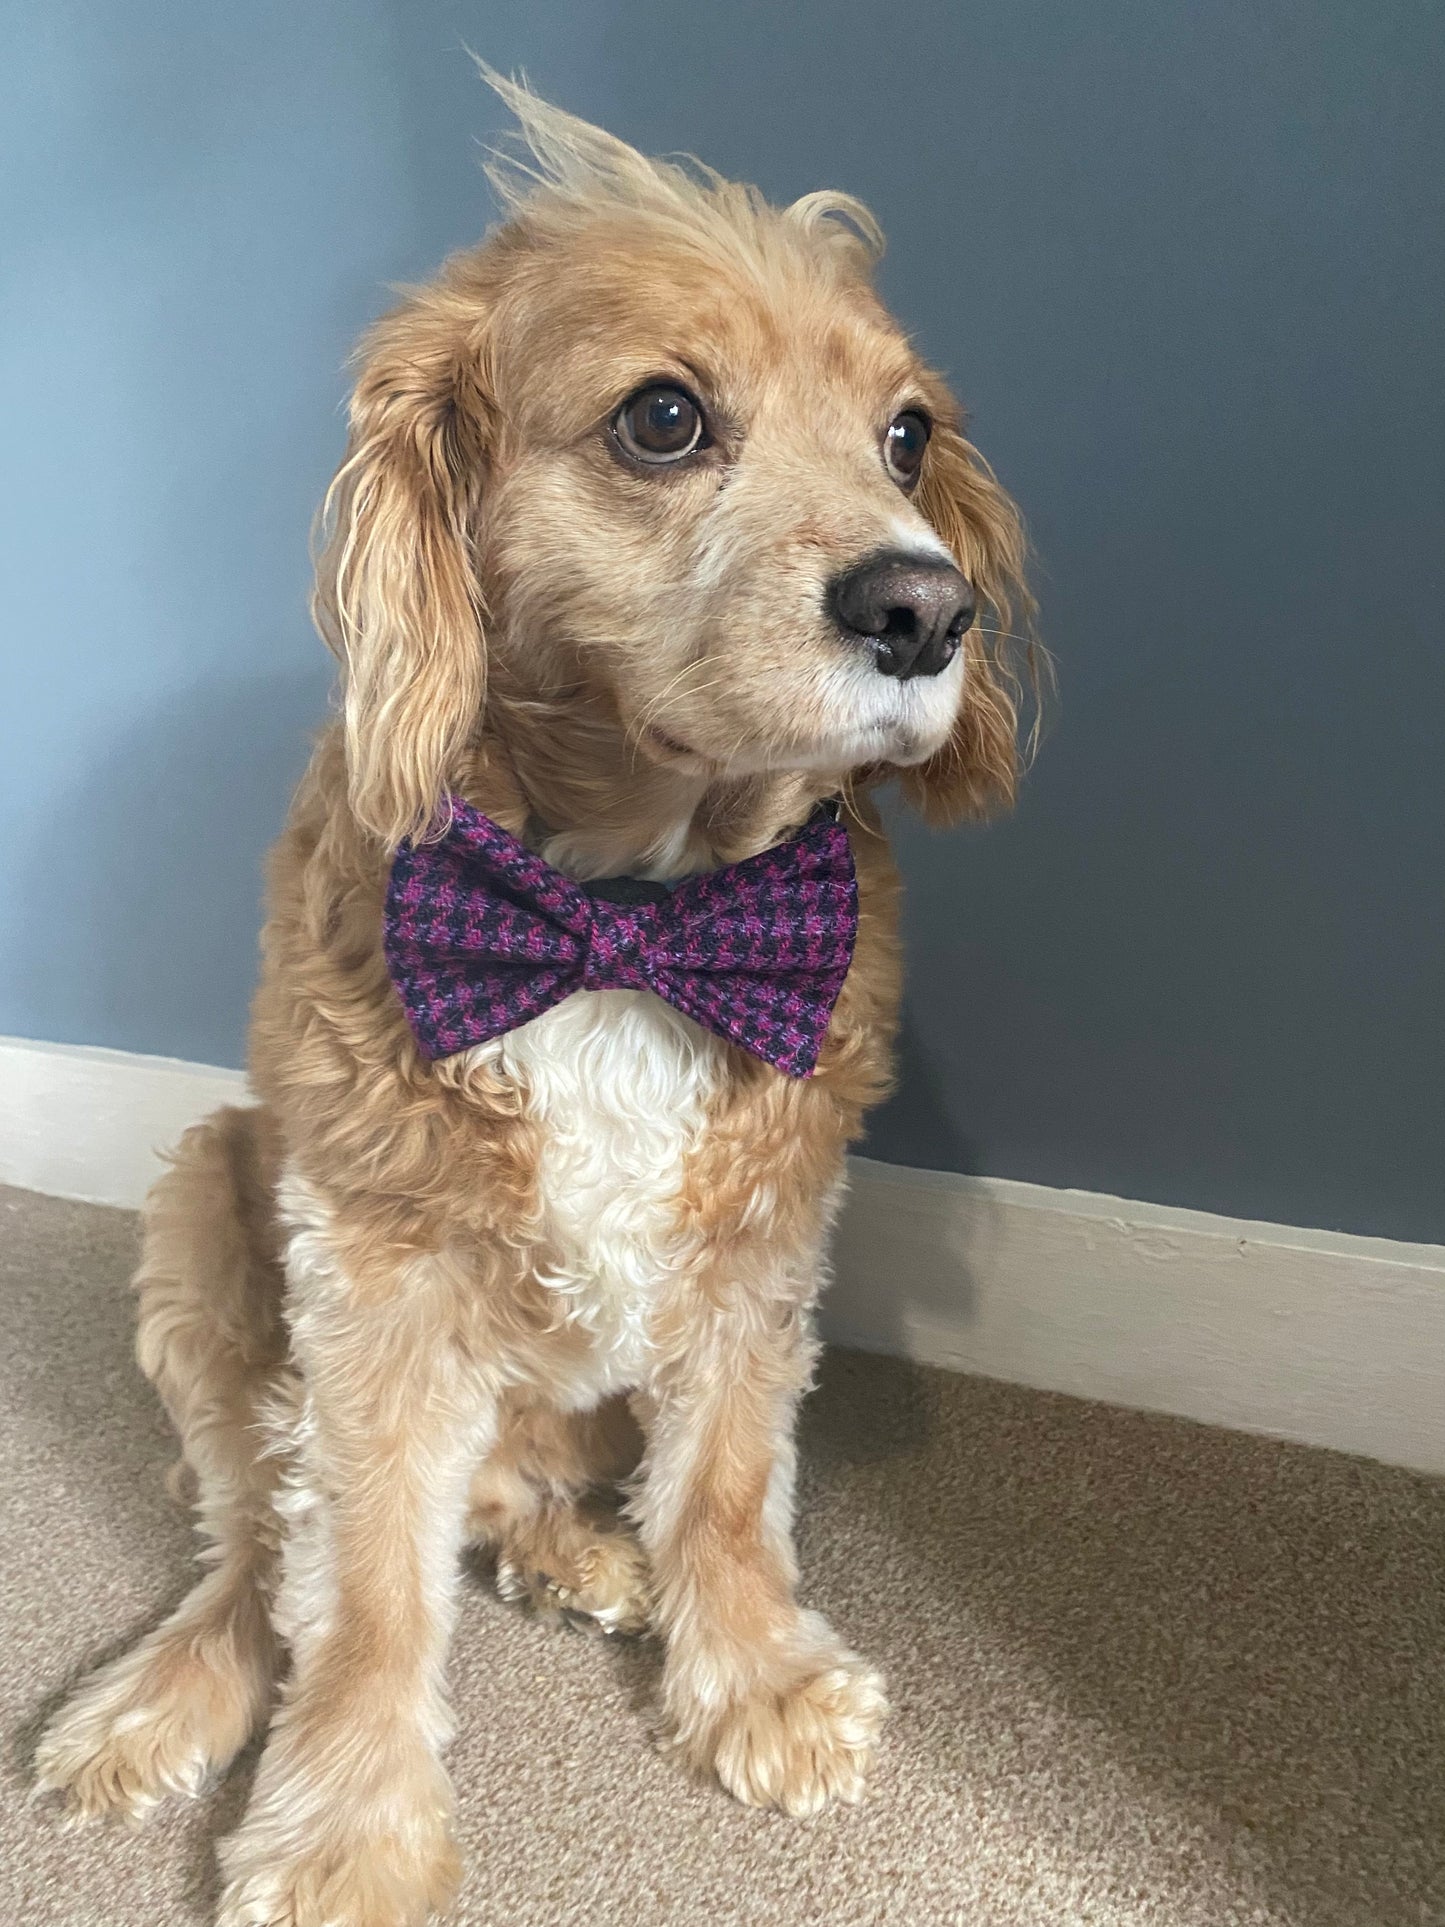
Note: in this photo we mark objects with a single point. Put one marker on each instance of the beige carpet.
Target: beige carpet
(1144, 1672)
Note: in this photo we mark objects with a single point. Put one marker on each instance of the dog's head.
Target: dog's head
(656, 451)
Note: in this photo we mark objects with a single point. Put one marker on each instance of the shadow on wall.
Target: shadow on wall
(154, 863)
(918, 1129)
(886, 1280)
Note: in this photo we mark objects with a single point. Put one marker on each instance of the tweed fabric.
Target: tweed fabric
(482, 935)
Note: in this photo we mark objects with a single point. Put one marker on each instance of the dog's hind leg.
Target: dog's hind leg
(543, 1499)
(177, 1709)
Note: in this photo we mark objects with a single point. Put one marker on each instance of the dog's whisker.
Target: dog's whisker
(648, 713)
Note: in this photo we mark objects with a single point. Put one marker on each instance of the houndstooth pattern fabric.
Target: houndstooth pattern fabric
(481, 935)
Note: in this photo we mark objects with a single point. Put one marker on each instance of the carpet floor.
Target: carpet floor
(1146, 1674)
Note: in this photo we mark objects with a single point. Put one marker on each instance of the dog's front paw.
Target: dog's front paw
(797, 1745)
(356, 1839)
(339, 1878)
(163, 1720)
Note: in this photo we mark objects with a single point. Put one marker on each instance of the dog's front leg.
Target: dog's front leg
(754, 1688)
(349, 1824)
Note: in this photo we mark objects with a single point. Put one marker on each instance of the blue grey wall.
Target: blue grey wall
(1185, 264)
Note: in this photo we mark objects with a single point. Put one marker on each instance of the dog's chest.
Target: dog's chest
(619, 1083)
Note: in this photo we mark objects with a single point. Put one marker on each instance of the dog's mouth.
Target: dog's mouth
(669, 749)
(883, 742)
(857, 719)
(669, 745)
(846, 717)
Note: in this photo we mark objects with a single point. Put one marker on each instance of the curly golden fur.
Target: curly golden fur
(401, 1305)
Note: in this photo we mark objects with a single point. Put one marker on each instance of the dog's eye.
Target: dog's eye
(659, 424)
(904, 444)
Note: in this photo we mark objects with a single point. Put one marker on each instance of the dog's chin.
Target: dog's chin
(899, 744)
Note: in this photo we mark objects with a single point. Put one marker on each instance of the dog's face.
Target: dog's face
(704, 499)
(659, 445)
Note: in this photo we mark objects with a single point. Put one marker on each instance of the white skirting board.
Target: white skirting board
(1310, 1335)
(80, 1122)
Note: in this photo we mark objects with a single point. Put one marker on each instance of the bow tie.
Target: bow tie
(481, 935)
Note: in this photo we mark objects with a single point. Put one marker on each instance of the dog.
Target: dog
(653, 537)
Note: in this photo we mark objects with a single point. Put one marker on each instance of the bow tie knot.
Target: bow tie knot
(617, 949)
(482, 935)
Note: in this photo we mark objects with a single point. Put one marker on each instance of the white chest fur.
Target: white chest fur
(619, 1083)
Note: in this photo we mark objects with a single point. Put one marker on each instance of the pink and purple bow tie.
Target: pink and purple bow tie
(482, 935)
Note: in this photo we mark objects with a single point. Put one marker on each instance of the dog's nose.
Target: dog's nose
(911, 610)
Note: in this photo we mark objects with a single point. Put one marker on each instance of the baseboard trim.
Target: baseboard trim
(77, 1121)
(1316, 1336)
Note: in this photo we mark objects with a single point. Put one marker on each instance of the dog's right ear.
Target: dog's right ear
(396, 593)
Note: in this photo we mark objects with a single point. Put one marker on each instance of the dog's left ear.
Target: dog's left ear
(396, 591)
(976, 771)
